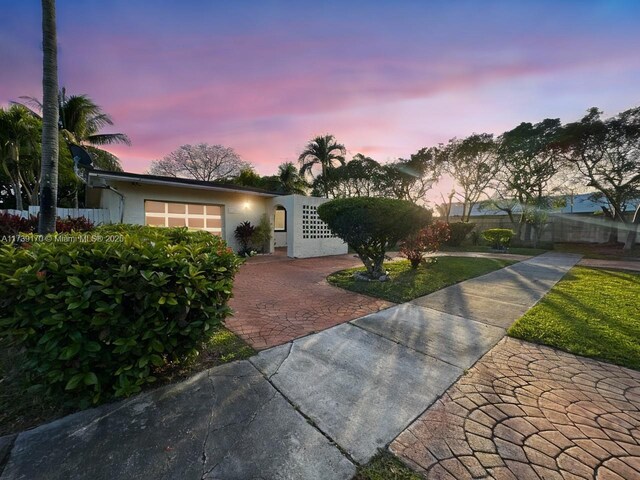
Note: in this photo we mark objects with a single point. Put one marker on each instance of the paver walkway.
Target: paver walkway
(277, 299)
(530, 412)
(311, 408)
(633, 265)
(363, 382)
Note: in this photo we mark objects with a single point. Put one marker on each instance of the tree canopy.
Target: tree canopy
(321, 151)
(201, 162)
(606, 153)
(81, 121)
(411, 179)
(473, 164)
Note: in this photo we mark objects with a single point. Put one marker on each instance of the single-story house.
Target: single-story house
(218, 208)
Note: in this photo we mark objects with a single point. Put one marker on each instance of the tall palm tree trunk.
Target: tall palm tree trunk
(49, 168)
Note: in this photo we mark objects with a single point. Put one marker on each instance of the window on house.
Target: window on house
(280, 222)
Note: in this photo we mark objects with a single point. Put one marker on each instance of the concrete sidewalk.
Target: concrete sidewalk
(312, 408)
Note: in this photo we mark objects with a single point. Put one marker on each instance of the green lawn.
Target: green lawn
(406, 284)
(591, 312)
(385, 466)
(21, 409)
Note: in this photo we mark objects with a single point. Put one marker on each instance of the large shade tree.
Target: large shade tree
(203, 162)
(410, 179)
(360, 177)
(472, 162)
(529, 167)
(325, 152)
(606, 153)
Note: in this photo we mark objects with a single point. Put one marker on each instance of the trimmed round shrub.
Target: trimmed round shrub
(370, 225)
(96, 314)
(459, 232)
(498, 238)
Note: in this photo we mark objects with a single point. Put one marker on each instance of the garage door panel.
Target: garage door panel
(177, 208)
(177, 214)
(154, 207)
(195, 222)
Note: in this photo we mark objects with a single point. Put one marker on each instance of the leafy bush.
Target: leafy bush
(96, 319)
(69, 224)
(15, 224)
(262, 234)
(499, 238)
(244, 233)
(459, 231)
(427, 240)
(369, 225)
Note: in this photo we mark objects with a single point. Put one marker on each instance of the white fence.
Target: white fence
(98, 216)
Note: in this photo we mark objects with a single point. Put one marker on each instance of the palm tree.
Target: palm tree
(81, 120)
(290, 181)
(323, 151)
(19, 148)
(49, 165)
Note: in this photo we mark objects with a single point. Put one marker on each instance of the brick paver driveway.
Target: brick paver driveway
(526, 411)
(277, 299)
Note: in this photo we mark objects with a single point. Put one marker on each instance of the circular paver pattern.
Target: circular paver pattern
(526, 411)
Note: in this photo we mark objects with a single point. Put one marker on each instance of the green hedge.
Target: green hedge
(97, 313)
(499, 238)
(459, 232)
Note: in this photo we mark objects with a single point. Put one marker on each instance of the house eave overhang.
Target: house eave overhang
(178, 183)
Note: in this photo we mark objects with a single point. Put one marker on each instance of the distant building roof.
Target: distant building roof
(581, 203)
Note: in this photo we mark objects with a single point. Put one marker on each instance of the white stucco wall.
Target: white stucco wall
(297, 245)
(280, 239)
(238, 207)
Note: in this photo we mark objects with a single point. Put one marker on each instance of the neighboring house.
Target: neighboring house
(215, 207)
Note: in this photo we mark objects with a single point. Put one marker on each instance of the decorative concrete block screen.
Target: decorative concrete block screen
(307, 235)
(312, 226)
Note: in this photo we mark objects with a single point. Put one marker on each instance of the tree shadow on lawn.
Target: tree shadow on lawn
(588, 319)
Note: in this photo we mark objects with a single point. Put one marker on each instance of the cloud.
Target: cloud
(385, 79)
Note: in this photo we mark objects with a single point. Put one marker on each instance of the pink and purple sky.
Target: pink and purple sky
(386, 78)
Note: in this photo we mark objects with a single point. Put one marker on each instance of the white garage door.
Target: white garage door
(193, 215)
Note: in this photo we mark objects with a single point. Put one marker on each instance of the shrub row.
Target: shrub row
(96, 318)
(459, 231)
(15, 224)
(499, 238)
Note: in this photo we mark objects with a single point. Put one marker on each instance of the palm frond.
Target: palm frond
(104, 160)
(108, 139)
(100, 120)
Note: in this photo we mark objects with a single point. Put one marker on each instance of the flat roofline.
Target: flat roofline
(180, 182)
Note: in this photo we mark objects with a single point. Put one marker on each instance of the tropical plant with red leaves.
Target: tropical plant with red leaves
(427, 240)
